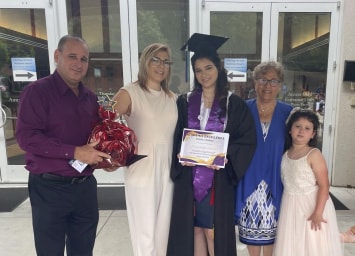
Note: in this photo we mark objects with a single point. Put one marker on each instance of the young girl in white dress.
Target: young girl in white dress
(307, 224)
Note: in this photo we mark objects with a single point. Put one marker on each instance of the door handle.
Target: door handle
(3, 115)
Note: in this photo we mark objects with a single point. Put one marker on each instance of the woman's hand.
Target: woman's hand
(185, 163)
(214, 167)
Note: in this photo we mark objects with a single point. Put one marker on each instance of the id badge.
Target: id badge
(78, 165)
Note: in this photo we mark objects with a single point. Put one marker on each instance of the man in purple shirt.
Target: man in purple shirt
(55, 118)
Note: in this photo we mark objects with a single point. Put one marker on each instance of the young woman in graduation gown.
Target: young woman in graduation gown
(226, 112)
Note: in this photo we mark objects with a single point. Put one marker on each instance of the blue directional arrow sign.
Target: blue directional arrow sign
(236, 69)
(24, 69)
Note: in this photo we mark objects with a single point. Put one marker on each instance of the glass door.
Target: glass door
(25, 40)
(306, 45)
(247, 25)
(300, 36)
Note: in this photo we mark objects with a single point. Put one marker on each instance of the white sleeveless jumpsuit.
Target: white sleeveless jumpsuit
(147, 182)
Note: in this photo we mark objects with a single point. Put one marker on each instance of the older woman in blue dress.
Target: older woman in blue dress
(259, 192)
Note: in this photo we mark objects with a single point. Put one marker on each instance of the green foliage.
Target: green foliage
(20, 50)
(149, 29)
(4, 57)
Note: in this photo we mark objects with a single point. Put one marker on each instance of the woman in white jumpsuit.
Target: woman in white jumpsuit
(150, 110)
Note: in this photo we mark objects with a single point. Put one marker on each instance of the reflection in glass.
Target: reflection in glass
(98, 22)
(244, 30)
(22, 34)
(166, 22)
(303, 48)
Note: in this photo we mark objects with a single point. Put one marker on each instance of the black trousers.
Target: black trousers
(63, 214)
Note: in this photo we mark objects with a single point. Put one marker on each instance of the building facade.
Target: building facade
(314, 40)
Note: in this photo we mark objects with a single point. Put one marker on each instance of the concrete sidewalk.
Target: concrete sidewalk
(113, 239)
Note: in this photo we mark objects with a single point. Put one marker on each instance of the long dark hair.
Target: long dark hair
(222, 86)
(310, 116)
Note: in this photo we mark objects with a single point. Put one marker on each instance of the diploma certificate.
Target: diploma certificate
(204, 147)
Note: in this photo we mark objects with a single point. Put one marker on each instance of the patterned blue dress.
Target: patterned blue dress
(258, 194)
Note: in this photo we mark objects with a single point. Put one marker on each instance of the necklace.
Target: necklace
(265, 111)
(208, 100)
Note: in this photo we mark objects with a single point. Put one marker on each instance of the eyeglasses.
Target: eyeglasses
(272, 82)
(157, 62)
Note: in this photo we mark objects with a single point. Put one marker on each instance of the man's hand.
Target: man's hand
(88, 154)
(111, 169)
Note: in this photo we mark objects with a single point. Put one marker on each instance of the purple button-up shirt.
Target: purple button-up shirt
(51, 122)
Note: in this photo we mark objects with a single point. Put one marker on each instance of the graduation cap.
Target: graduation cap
(202, 43)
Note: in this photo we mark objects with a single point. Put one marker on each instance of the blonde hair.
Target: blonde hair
(148, 53)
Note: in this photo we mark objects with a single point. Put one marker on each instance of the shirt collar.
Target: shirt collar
(64, 88)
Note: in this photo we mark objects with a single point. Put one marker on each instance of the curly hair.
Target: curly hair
(310, 116)
(265, 67)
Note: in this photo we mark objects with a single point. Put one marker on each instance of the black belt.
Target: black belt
(65, 179)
